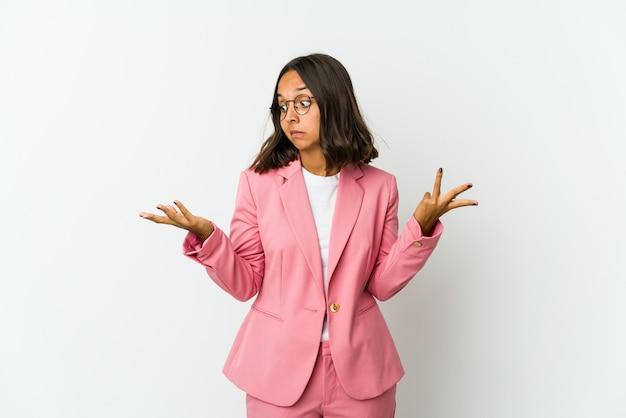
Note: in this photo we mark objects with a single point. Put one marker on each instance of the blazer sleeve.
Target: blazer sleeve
(235, 264)
(400, 257)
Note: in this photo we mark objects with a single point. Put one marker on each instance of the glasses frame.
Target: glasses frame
(283, 114)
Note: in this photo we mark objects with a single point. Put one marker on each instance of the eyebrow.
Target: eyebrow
(298, 89)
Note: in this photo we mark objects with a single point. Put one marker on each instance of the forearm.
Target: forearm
(402, 259)
(238, 274)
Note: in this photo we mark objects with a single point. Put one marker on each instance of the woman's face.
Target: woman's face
(302, 130)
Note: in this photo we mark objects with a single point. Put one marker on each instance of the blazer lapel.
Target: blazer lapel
(300, 217)
(347, 208)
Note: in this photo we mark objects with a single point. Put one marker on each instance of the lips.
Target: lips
(296, 134)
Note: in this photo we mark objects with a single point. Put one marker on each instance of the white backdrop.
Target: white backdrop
(109, 107)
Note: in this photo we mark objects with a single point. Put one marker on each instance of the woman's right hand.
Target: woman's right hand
(180, 217)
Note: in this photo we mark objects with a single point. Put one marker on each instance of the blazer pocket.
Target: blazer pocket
(267, 314)
(367, 309)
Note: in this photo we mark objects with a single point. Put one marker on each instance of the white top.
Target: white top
(322, 193)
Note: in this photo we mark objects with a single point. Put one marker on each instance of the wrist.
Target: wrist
(204, 231)
(425, 227)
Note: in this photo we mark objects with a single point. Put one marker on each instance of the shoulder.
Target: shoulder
(272, 177)
(370, 170)
(374, 181)
(368, 174)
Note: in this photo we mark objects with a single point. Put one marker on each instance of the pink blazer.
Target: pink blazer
(273, 252)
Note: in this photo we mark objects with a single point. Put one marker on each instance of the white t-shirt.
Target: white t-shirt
(322, 193)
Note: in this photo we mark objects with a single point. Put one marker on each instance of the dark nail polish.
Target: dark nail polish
(469, 186)
(440, 170)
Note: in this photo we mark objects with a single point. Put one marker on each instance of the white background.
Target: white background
(109, 107)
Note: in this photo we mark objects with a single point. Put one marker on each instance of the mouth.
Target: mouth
(296, 134)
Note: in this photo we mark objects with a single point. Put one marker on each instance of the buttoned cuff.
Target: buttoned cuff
(416, 234)
(193, 247)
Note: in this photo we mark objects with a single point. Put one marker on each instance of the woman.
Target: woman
(315, 237)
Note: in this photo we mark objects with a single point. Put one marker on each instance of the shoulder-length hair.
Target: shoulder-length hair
(344, 136)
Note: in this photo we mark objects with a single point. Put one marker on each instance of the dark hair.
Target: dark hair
(344, 136)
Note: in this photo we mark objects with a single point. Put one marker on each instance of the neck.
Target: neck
(316, 164)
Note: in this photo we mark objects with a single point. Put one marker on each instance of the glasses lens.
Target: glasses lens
(282, 110)
(302, 104)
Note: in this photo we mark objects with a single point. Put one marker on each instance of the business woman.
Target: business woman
(314, 237)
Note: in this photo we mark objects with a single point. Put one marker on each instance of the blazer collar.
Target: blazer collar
(290, 169)
(353, 170)
(300, 217)
(295, 200)
(347, 207)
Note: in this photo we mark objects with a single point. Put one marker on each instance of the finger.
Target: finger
(182, 209)
(172, 213)
(458, 190)
(461, 203)
(437, 186)
(169, 210)
(159, 219)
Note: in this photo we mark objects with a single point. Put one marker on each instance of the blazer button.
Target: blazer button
(334, 307)
(417, 244)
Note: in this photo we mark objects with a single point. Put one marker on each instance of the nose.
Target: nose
(291, 114)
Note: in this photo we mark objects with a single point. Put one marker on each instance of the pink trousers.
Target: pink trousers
(325, 398)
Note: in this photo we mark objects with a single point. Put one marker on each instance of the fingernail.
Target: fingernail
(440, 170)
(469, 186)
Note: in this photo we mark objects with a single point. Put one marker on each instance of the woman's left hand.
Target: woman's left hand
(434, 205)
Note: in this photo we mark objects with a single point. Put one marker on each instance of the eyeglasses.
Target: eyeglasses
(301, 104)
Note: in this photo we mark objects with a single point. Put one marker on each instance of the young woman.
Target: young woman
(314, 237)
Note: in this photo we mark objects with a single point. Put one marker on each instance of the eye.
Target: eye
(282, 108)
(304, 103)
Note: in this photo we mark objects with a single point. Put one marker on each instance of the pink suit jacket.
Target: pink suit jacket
(273, 252)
